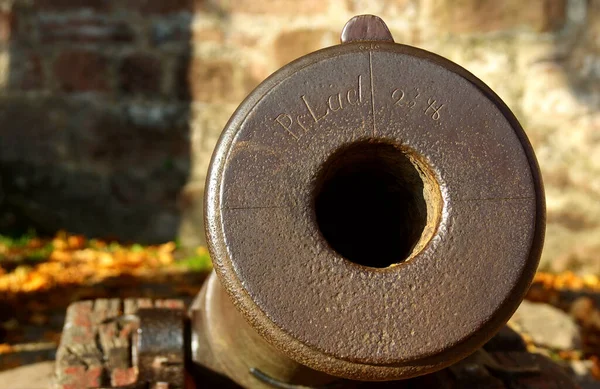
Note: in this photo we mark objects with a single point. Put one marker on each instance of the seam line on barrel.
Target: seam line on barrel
(260, 207)
(372, 91)
(498, 199)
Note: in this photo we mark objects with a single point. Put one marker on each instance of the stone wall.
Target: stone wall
(109, 109)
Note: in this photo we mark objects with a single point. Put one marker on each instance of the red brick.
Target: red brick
(123, 377)
(140, 73)
(81, 70)
(480, 16)
(77, 377)
(65, 5)
(71, 370)
(7, 25)
(85, 29)
(93, 377)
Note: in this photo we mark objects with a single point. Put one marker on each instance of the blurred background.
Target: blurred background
(110, 109)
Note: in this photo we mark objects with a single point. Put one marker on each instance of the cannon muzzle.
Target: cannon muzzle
(374, 212)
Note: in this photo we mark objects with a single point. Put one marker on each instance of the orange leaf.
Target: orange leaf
(168, 247)
(35, 282)
(35, 243)
(5, 348)
(106, 260)
(61, 256)
(76, 242)
(59, 244)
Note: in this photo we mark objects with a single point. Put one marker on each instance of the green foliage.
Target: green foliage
(30, 248)
(41, 253)
(136, 248)
(113, 246)
(22, 248)
(178, 244)
(19, 241)
(198, 262)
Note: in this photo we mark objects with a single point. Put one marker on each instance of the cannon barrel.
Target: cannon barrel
(373, 211)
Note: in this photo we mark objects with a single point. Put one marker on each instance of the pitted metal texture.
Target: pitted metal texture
(375, 211)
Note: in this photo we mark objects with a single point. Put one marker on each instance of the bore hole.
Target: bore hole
(374, 203)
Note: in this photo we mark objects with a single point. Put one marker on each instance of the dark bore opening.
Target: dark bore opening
(370, 205)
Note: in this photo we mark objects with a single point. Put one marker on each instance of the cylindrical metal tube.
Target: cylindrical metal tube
(227, 344)
(374, 212)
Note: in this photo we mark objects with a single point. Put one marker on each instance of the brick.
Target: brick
(140, 73)
(481, 16)
(293, 44)
(214, 81)
(214, 34)
(66, 5)
(239, 38)
(181, 87)
(159, 6)
(81, 71)
(174, 29)
(7, 25)
(123, 377)
(594, 23)
(384, 7)
(30, 130)
(138, 137)
(292, 7)
(23, 27)
(157, 118)
(85, 29)
(76, 377)
(73, 146)
(31, 73)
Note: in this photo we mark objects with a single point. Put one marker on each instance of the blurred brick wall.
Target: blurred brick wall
(94, 116)
(104, 99)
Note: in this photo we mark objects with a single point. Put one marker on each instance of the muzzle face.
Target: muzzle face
(375, 211)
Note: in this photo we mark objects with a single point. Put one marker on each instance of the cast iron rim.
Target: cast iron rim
(347, 366)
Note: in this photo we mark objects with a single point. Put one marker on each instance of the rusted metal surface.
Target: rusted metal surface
(225, 343)
(374, 211)
(158, 348)
(366, 28)
(243, 357)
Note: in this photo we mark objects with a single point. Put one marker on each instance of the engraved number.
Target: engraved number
(411, 100)
(397, 96)
(435, 112)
